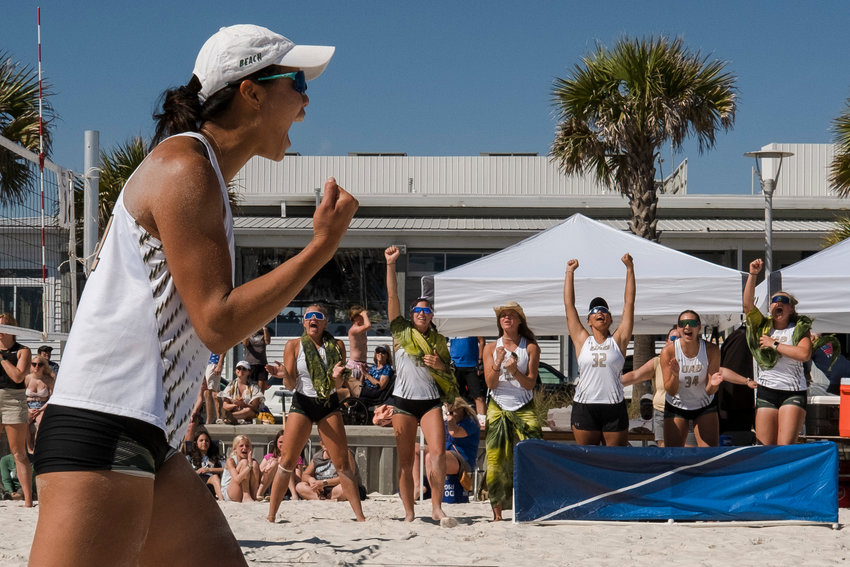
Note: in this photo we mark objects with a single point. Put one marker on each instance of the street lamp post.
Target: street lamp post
(768, 176)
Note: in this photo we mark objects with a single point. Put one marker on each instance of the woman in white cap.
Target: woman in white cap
(159, 299)
(599, 407)
(240, 401)
(510, 371)
(780, 344)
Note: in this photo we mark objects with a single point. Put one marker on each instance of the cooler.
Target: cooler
(822, 415)
(844, 413)
(453, 492)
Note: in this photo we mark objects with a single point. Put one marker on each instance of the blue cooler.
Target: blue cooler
(453, 492)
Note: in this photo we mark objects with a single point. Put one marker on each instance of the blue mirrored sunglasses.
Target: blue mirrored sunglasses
(299, 81)
(318, 315)
(599, 309)
(673, 338)
(780, 299)
(425, 310)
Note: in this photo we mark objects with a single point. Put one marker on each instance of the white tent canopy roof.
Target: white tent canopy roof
(818, 283)
(531, 272)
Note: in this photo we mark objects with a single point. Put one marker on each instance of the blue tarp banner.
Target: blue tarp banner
(553, 481)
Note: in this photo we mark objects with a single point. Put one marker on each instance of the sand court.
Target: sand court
(324, 533)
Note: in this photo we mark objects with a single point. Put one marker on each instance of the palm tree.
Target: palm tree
(619, 107)
(19, 123)
(839, 233)
(116, 166)
(839, 169)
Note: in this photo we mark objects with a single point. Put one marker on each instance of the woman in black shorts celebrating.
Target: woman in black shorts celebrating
(780, 344)
(423, 378)
(314, 365)
(690, 367)
(599, 406)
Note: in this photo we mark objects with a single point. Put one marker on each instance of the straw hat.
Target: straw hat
(513, 305)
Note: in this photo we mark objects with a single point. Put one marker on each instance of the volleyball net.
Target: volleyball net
(38, 268)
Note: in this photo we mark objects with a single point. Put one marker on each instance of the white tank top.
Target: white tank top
(600, 368)
(788, 373)
(413, 380)
(303, 381)
(509, 394)
(132, 350)
(693, 374)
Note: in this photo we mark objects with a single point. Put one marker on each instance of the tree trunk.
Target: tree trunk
(643, 201)
(644, 349)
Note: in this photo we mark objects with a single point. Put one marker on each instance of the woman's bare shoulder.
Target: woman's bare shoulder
(177, 173)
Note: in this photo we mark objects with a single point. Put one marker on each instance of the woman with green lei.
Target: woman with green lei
(780, 344)
(313, 368)
(510, 371)
(423, 378)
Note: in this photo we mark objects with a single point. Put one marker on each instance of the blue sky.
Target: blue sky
(440, 77)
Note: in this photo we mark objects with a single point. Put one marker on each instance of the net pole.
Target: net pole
(44, 302)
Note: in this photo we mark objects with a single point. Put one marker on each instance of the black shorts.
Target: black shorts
(600, 417)
(470, 382)
(416, 408)
(671, 411)
(258, 373)
(771, 398)
(315, 410)
(73, 439)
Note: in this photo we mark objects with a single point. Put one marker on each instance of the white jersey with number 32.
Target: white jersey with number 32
(600, 368)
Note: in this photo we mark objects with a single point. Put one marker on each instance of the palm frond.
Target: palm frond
(117, 165)
(839, 169)
(842, 232)
(19, 122)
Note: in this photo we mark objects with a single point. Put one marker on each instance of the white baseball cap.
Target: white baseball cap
(243, 364)
(236, 51)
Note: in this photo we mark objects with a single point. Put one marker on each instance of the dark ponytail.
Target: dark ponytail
(181, 111)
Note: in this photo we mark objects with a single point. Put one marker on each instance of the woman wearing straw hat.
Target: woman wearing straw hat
(423, 378)
(599, 406)
(780, 344)
(159, 299)
(510, 371)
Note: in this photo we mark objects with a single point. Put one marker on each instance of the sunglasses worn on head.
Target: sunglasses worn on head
(317, 315)
(425, 310)
(689, 323)
(780, 299)
(299, 81)
(599, 309)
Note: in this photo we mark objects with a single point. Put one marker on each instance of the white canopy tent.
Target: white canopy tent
(818, 283)
(531, 272)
